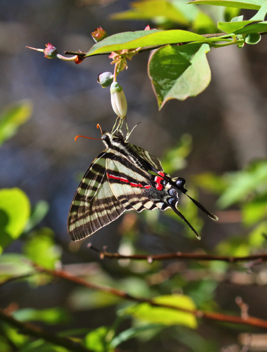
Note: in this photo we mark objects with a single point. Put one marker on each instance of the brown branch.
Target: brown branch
(32, 330)
(225, 318)
(179, 255)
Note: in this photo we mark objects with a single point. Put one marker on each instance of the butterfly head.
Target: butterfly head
(112, 140)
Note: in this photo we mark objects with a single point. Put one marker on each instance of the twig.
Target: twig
(252, 321)
(35, 331)
(179, 255)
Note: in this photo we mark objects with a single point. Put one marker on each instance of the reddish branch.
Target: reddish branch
(179, 255)
(32, 330)
(248, 320)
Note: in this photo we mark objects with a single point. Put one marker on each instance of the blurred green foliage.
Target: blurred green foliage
(188, 285)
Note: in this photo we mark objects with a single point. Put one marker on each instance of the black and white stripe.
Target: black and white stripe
(123, 177)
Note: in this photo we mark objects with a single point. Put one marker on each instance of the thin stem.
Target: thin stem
(180, 255)
(252, 321)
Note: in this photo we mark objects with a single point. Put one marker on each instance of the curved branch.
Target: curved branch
(32, 330)
(252, 321)
(179, 255)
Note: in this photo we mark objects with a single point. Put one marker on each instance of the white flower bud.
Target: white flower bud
(118, 100)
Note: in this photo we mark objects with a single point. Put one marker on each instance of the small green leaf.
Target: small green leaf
(245, 4)
(12, 117)
(166, 316)
(148, 38)
(96, 340)
(178, 72)
(253, 38)
(41, 248)
(49, 316)
(232, 27)
(149, 9)
(14, 214)
(133, 332)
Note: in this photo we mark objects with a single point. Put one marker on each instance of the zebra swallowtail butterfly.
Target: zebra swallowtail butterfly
(122, 177)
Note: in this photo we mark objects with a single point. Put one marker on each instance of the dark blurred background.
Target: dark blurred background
(226, 122)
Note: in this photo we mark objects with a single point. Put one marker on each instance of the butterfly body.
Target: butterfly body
(123, 177)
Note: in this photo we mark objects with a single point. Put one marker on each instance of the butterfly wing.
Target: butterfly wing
(147, 157)
(94, 204)
(132, 186)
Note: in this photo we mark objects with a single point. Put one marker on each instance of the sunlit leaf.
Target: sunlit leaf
(49, 316)
(244, 4)
(14, 214)
(41, 248)
(179, 72)
(96, 340)
(255, 210)
(257, 237)
(12, 264)
(231, 27)
(166, 316)
(253, 28)
(12, 117)
(149, 38)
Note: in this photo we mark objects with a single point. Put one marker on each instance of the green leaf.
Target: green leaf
(257, 237)
(41, 248)
(12, 117)
(232, 27)
(253, 38)
(96, 340)
(245, 4)
(149, 9)
(210, 182)
(81, 299)
(39, 212)
(242, 183)
(255, 210)
(149, 38)
(14, 214)
(49, 316)
(166, 316)
(260, 15)
(253, 28)
(178, 72)
(133, 332)
(174, 158)
(230, 13)
(12, 265)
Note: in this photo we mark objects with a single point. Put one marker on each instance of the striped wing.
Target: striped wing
(131, 186)
(94, 204)
(147, 157)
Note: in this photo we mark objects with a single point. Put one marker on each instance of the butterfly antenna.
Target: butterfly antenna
(186, 221)
(98, 139)
(99, 127)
